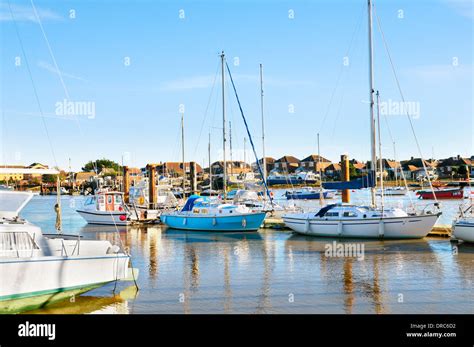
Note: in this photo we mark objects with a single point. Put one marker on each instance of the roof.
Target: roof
(288, 159)
(412, 168)
(455, 161)
(177, 166)
(315, 158)
(268, 160)
(85, 175)
(334, 167)
(392, 164)
(418, 162)
(359, 166)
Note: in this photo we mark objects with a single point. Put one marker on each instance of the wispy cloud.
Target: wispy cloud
(464, 8)
(24, 13)
(48, 67)
(206, 81)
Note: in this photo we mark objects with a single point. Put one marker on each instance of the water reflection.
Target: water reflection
(257, 272)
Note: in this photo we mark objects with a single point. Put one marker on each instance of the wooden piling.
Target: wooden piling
(345, 177)
(126, 184)
(151, 185)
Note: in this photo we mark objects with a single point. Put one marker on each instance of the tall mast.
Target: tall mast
(245, 152)
(230, 145)
(210, 168)
(396, 165)
(321, 197)
(182, 152)
(373, 161)
(224, 178)
(264, 160)
(380, 149)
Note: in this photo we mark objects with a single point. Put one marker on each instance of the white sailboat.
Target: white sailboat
(37, 269)
(463, 226)
(351, 221)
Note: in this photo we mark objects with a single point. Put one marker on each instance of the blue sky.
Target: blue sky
(174, 60)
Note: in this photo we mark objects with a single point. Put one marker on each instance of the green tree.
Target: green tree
(49, 178)
(100, 164)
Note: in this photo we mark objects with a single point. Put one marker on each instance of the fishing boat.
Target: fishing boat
(105, 208)
(202, 213)
(38, 269)
(309, 193)
(358, 221)
(441, 193)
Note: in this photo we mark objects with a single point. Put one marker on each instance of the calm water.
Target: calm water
(270, 271)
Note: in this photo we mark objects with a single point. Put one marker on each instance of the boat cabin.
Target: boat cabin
(347, 211)
(105, 201)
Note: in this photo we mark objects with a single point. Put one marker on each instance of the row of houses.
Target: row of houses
(413, 168)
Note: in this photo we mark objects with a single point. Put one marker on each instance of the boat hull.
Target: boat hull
(309, 196)
(292, 181)
(408, 227)
(464, 230)
(104, 217)
(441, 194)
(240, 222)
(36, 282)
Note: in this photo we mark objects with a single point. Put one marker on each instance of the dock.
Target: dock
(440, 230)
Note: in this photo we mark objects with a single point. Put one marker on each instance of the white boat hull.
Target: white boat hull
(33, 282)
(104, 217)
(386, 228)
(464, 230)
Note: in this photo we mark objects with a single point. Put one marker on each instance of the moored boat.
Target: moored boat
(448, 193)
(309, 193)
(105, 208)
(38, 269)
(203, 214)
(353, 221)
(359, 221)
(463, 229)
(399, 191)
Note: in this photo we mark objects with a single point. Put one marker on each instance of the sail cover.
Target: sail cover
(358, 183)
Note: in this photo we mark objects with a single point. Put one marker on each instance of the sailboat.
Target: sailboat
(38, 269)
(463, 226)
(357, 221)
(203, 214)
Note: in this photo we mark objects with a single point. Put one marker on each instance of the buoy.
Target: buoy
(122, 217)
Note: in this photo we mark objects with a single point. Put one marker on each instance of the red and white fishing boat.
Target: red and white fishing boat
(105, 208)
(445, 193)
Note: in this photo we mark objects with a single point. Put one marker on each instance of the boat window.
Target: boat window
(350, 214)
(118, 199)
(332, 214)
(16, 241)
(109, 199)
(89, 201)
